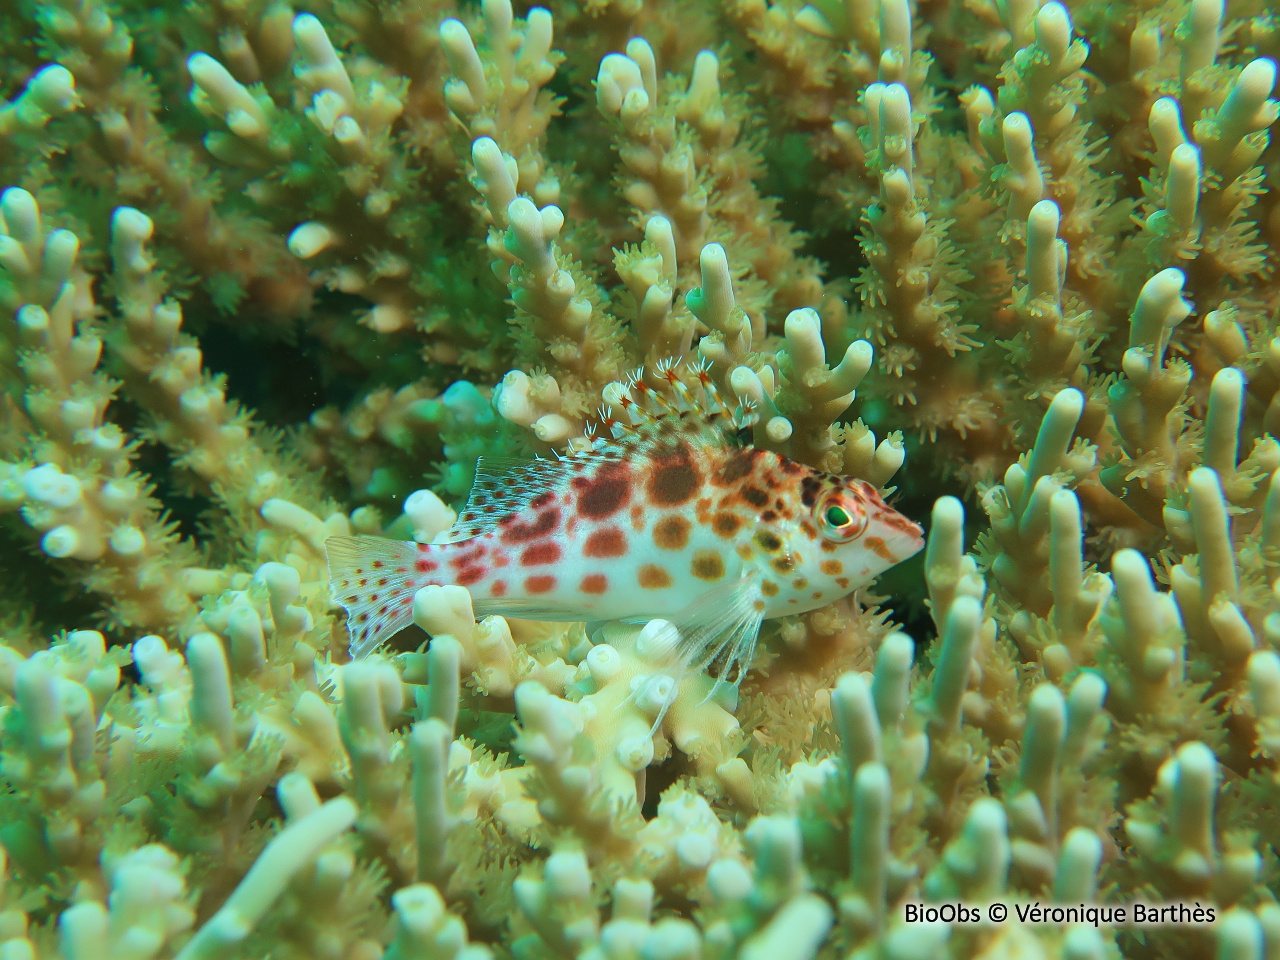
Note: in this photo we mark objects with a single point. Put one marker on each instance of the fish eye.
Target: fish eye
(842, 519)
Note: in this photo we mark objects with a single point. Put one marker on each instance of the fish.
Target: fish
(674, 516)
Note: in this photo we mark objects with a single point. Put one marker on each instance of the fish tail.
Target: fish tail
(375, 580)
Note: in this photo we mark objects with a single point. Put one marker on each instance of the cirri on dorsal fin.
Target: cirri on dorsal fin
(686, 404)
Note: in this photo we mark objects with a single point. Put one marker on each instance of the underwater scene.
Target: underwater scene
(639, 480)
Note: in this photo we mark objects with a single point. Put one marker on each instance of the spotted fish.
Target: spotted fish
(676, 517)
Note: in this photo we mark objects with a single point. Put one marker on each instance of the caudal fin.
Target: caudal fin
(374, 579)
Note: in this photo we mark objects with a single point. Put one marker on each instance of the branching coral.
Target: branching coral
(1017, 259)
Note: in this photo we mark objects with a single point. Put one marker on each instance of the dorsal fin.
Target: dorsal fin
(637, 419)
(506, 486)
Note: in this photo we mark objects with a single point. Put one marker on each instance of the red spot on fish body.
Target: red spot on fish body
(541, 583)
(671, 532)
(869, 492)
(541, 500)
(498, 588)
(879, 548)
(893, 519)
(469, 575)
(604, 494)
(595, 583)
(653, 577)
(539, 553)
(707, 565)
(605, 542)
(520, 531)
(637, 518)
(737, 465)
(426, 566)
(726, 524)
(468, 555)
(675, 478)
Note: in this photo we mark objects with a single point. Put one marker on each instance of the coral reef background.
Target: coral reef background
(272, 272)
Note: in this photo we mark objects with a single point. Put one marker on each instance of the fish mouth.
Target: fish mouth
(905, 544)
(905, 537)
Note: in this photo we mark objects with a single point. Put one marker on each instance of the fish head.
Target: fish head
(858, 528)
(842, 536)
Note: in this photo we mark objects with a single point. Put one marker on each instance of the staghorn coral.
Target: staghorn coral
(274, 273)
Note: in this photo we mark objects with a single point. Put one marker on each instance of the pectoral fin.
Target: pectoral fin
(718, 631)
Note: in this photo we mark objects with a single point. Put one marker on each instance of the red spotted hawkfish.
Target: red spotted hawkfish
(674, 518)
